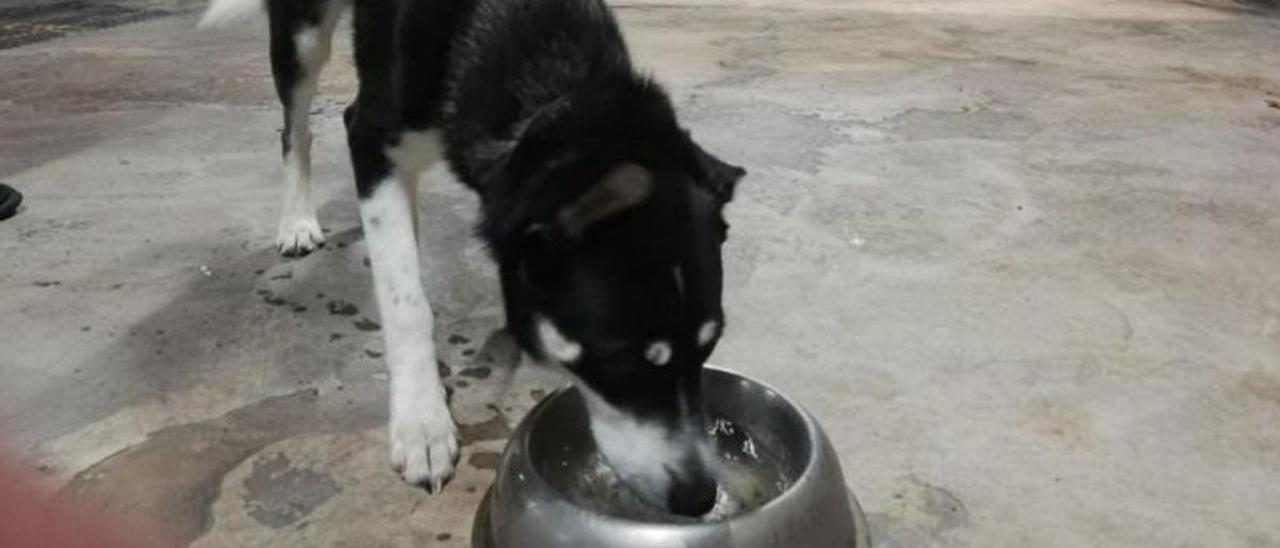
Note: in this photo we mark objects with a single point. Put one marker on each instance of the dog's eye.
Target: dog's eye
(658, 353)
(707, 332)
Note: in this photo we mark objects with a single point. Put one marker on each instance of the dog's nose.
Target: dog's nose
(692, 497)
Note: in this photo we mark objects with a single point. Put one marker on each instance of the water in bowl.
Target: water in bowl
(749, 475)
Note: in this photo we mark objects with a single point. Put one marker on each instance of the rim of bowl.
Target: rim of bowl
(811, 434)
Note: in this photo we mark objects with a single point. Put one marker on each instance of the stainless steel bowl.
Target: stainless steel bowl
(533, 502)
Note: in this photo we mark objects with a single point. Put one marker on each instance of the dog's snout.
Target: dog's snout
(692, 496)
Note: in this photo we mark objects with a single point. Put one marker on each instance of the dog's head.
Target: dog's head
(618, 280)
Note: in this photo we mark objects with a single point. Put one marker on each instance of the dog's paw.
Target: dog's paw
(424, 443)
(299, 236)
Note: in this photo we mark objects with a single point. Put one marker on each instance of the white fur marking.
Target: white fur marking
(299, 231)
(707, 332)
(417, 151)
(306, 43)
(423, 436)
(638, 451)
(658, 353)
(555, 344)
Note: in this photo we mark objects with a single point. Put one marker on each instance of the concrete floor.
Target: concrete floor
(1022, 259)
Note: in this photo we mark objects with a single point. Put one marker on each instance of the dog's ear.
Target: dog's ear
(623, 187)
(715, 175)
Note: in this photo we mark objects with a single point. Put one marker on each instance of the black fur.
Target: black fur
(287, 17)
(538, 100)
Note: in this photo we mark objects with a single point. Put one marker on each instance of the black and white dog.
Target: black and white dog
(603, 216)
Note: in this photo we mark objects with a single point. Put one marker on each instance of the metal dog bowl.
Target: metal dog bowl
(553, 490)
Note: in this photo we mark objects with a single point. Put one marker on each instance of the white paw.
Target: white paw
(424, 442)
(299, 235)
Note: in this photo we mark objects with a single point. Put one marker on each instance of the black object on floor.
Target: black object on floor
(9, 201)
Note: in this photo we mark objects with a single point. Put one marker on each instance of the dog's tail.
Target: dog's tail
(225, 12)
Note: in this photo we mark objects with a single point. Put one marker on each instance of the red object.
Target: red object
(31, 517)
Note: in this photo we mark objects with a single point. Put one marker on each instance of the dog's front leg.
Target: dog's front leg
(424, 447)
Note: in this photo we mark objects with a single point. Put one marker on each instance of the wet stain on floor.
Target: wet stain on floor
(1262, 386)
(365, 324)
(920, 514)
(493, 429)
(1064, 423)
(24, 25)
(340, 307)
(271, 298)
(477, 372)
(279, 494)
(485, 460)
(195, 457)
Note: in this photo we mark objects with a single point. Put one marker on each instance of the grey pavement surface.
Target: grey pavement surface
(1021, 258)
